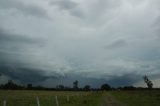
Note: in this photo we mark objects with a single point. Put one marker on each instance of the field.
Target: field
(111, 98)
(138, 98)
(47, 98)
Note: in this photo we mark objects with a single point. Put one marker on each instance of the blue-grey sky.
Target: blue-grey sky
(49, 42)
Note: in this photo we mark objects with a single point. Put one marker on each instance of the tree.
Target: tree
(105, 87)
(0, 75)
(148, 82)
(29, 86)
(75, 84)
(10, 85)
(60, 87)
(129, 88)
(87, 87)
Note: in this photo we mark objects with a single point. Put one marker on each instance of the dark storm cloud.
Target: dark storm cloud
(18, 71)
(27, 9)
(115, 81)
(125, 80)
(11, 54)
(70, 78)
(25, 75)
(8, 37)
(14, 43)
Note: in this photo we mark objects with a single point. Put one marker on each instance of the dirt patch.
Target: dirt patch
(110, 101)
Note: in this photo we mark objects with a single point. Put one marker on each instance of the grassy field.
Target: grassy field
(111, 98)
(138, 98)
(47, 98)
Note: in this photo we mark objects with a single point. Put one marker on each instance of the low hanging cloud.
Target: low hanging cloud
(100, 41)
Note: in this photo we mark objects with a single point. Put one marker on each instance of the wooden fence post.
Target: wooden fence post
(67, 98)
(57, 103)
(38, 103)
(4, 103)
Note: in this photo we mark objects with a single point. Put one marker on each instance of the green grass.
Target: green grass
(47, 98)
(138, 98)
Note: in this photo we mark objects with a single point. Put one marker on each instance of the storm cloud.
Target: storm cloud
(100, 41)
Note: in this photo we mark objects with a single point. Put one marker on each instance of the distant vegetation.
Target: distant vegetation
(13, 86)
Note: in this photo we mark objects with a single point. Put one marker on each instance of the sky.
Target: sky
(50, 42)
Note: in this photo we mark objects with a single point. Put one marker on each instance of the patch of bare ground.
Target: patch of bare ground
(110, 101)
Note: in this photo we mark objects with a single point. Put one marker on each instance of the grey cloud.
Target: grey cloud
(125, 80)
(6, 36)
(69, 6)
(22, 72)
(104, 5)
(68, 81)
(63, 4)
(11, 54)
(117, 44)
(77, 13)
(115, 81)
(27, 9)
(24, 75)
(99, 11)
(15, 43)
(16, 59)
(89, 12)
(156, 25)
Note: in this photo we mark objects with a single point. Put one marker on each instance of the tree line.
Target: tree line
(11, 85)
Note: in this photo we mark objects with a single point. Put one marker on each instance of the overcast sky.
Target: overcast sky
(59, 41)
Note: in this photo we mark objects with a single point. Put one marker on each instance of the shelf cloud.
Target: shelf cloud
(110, 41)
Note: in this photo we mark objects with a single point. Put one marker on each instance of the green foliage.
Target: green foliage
(105, 87)
(87, 87)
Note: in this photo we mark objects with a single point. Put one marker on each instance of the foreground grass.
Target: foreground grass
(111, 98)
(47, 98)
(138, 98)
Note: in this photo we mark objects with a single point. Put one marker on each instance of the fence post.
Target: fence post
(57, 103)
(38, 103)
(4, 103)
(67, 98)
